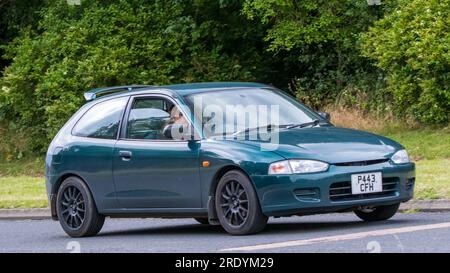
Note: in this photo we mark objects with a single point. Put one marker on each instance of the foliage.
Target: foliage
(30, 166)
(15, 16)
(412, 44)
(104, 43)
(318, 41)
(324, 51)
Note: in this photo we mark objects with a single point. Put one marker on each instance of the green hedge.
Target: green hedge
(412, 45)
(323, 51)
(105, 43)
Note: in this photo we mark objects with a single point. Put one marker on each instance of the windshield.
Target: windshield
(225, 112)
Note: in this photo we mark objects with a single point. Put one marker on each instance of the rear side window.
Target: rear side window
(102, 120)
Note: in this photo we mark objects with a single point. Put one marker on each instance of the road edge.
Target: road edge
(432, 205)
(24, 214)
(411, 206)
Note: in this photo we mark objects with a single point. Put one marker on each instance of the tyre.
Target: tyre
(76, 209)
(203, 221)
(237, 205)
(377, 213)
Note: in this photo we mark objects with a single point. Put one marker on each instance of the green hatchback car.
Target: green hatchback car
(229, 154)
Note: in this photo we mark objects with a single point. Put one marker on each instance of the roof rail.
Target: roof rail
(94, 93)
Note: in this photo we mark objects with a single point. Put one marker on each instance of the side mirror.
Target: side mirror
(325, 115)
(179, 132)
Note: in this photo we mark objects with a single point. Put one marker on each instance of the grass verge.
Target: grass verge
(432, 179)
(22, 192)
(22, 184)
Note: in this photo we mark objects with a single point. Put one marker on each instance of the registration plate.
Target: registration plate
(363, 183)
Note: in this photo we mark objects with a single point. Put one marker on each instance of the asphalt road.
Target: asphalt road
(417, 232)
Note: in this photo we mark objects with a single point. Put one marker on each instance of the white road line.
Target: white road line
(336, 238)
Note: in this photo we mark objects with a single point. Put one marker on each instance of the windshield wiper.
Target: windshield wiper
(306, 124)
(269, 127)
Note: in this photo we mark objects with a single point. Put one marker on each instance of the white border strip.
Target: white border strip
(337, 238)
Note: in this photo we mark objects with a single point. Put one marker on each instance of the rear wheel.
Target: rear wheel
(76, 209)
(237, 205)
(379, 213)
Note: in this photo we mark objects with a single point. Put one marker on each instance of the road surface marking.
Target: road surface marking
(337, 238)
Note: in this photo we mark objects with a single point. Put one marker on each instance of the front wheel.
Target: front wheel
(379, 213)
(76, 209)
(237, 205)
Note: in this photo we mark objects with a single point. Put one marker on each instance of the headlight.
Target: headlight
(297, 166)
(400, 157)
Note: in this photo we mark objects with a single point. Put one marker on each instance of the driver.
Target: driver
(177, 120)
(176, 117)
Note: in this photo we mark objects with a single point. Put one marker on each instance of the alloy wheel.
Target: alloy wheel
(234, 203)
(73, 207)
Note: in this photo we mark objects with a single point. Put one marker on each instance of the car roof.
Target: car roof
(188, 88)
(174, 89)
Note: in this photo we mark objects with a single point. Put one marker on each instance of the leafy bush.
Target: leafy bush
(319, 45)
(318, 49)
(412, 44)
(105, 43)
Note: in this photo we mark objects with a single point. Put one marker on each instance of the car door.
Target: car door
(150, 170)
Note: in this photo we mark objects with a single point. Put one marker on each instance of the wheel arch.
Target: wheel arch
(56, 187)
(215, 181)
(221, 172)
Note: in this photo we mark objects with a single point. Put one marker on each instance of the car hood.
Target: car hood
(328, 144)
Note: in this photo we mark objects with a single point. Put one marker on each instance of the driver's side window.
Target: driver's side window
(150, 118)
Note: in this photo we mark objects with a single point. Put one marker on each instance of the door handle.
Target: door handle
(125, 155)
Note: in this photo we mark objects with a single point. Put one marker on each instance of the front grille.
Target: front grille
(362, 163)
(342, 191)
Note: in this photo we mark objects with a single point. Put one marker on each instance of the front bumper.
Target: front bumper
(285, 195)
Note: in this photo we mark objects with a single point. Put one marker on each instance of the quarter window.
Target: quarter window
(102, 120)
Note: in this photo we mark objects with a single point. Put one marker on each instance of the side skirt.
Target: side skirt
(157, 213)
